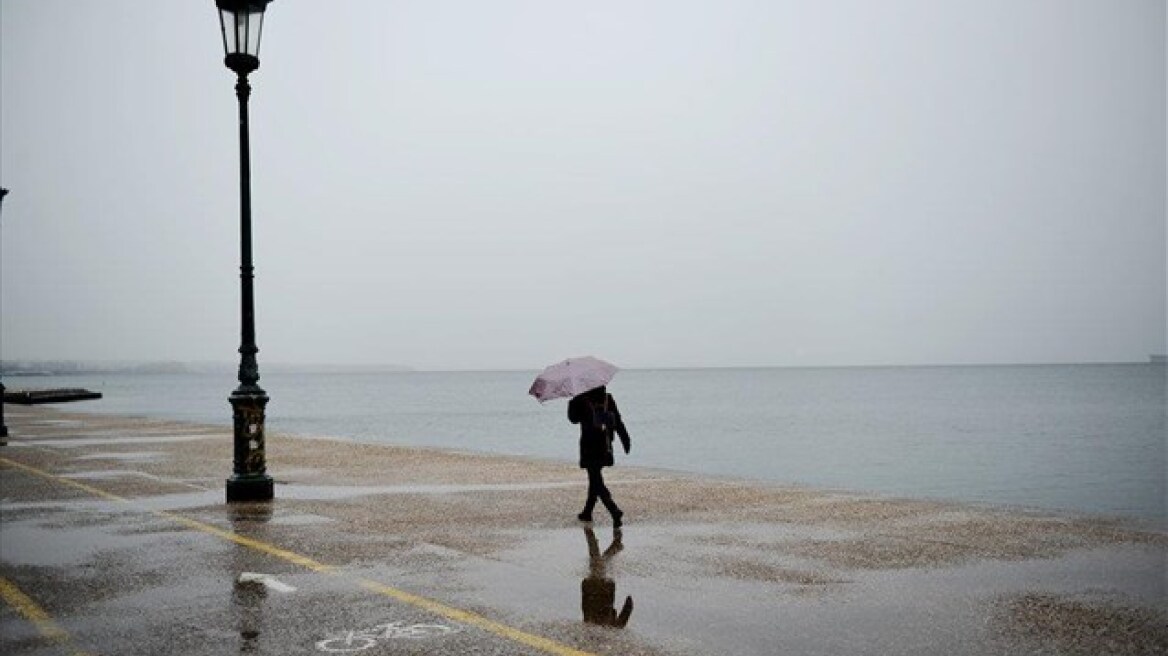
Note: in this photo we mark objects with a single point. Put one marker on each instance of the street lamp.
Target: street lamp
(241, 22)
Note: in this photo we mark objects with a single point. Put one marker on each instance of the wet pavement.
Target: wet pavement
(115, 539)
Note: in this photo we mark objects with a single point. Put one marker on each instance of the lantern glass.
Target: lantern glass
(241, 22)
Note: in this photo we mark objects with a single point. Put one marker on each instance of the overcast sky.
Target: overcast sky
(468, 184)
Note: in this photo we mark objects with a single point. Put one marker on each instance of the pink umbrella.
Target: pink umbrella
(571, 377)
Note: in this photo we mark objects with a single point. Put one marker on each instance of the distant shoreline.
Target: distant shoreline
(83, 368)
(34, 368)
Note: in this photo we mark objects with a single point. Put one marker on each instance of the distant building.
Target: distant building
(1158, 359)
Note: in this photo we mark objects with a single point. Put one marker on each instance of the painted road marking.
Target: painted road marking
(31, 611)
(123, 473)
(71, 442)
(436, 607)
(346, 642)
(56, 422)
(266, 580)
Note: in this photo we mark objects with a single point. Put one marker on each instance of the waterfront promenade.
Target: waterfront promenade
(115, 539)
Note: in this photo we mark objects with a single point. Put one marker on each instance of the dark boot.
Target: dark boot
(613, 510)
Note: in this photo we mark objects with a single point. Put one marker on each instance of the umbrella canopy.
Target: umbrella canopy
(571, 377)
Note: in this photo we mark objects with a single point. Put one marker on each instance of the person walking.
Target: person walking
(598, 416)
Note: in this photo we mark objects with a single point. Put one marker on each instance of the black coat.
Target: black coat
(597, 423)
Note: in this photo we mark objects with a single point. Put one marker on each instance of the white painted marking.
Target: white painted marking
(123, 473)
(114, 441)
(352, 641)
(56, 422)
(267, 580)
(107, 474)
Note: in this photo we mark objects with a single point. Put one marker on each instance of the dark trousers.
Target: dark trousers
(597, 490)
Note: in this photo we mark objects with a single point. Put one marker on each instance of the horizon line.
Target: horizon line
(345, 367)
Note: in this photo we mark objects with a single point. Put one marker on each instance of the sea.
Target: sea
(1078, 438)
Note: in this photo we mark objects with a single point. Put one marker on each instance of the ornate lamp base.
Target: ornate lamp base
(250, 481)
(259, 488)
(3, 426)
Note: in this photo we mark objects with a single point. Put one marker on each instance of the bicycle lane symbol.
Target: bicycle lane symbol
(346, 642)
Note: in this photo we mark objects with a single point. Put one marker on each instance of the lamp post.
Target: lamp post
(241, 22)
(3, 426)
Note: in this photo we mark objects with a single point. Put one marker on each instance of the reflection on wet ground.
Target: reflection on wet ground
(597, 590)
(247, 599)
(248, 593)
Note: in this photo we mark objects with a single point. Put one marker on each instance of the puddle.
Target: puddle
(181, 501)
(302, 520)
(36, 544)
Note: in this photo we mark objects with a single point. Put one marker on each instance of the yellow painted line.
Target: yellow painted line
(34, 613)
(257, 545)
(81, 486)
(436, 607)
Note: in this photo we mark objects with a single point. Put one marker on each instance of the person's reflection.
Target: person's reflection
(248, 594)
(597, 591)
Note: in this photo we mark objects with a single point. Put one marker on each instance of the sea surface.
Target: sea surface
(1083, 438)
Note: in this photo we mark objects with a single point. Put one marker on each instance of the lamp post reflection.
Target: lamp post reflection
(597, 590)
(248, 595)
(247, 599)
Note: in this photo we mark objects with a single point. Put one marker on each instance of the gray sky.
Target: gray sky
(468, 184)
